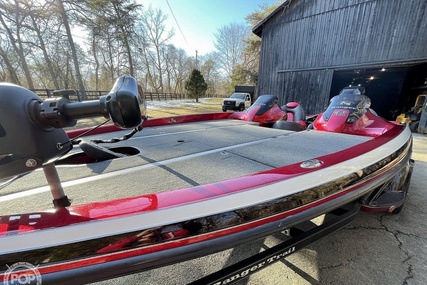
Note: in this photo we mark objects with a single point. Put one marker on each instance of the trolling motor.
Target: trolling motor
(31, 130)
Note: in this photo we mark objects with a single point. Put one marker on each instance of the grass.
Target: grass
(207, 105)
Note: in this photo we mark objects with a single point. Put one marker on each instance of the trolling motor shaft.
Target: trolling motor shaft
(124, 104)
(60, 200)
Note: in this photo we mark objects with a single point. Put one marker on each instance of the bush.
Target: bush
(195, 85)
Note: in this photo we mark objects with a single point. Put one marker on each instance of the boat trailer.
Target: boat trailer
(300, 236)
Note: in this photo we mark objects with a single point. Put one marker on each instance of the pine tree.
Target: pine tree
(195, 85)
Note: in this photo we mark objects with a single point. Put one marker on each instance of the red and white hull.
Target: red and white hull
(177, 197)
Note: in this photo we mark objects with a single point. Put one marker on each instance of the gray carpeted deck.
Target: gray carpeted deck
(185, 155)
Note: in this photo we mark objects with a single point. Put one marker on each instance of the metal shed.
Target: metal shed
(311, 49)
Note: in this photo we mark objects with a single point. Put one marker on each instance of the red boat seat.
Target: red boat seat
(295, 117)
(295, 113)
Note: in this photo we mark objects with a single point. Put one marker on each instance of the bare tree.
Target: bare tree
(229, 43)
(210, 69)
(110, 24)
(125, 15)
(247, 71)
(10, 70)
(11, 18)
(178, 68)
(38, 44)
(39, 22)
(152, 32)
(65, 21)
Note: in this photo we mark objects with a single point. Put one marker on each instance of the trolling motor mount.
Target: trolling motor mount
(31, 134)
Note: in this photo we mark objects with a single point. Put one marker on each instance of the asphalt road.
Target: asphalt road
(376, 248)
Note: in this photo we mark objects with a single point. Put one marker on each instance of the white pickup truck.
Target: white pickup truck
(237, 101)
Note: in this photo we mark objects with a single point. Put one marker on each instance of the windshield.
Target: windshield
(264, 103)
(351, 100)
(238, 96)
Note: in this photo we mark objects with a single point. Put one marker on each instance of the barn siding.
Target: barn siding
(307, 40)
(306, 85)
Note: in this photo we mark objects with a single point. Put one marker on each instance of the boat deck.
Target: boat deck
(176, 156)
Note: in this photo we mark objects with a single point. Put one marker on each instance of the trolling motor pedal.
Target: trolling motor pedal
(99, 153)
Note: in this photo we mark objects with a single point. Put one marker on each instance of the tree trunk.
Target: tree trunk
(73, 49)
(110, 54)
(125, 39)
(96, 60)
(45, 54)
(12, 74)
(67, 72)
(147, 66)
(159, 67)
(128, 52)
(17, 46)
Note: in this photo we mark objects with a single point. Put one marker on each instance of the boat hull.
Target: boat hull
(102, 240)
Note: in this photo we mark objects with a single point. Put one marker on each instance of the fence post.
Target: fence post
(78, 95)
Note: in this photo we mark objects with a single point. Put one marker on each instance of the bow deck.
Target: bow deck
(178, 156)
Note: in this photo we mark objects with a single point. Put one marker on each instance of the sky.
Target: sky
(200, 19)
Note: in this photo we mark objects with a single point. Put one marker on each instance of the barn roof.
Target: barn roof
(257, 30)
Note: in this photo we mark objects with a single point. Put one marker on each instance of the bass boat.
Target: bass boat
(142, 193)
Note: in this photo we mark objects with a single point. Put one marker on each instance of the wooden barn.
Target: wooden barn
(311, 49)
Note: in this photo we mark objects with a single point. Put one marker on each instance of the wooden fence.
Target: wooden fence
(94, 95)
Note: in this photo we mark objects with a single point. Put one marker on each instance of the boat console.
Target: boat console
(350, 113)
